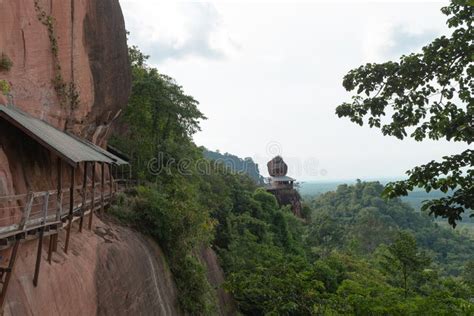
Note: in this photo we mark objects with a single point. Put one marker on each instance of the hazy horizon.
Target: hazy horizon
(268, 75)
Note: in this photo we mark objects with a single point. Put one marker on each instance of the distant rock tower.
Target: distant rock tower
(281, 186)
(277, 167)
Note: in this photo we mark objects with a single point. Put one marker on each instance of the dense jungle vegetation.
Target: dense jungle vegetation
(355, 253)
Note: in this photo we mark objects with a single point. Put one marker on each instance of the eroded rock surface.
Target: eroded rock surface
(226, 304)
(132, 276)
(79, 45)
(111, 270)
(92, 53)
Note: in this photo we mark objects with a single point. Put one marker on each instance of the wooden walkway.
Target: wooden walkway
(40, 214)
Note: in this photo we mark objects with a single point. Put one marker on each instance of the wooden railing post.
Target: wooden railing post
(38, 257)
(71, 209)
(122, 173)
(50, 248)
(27, 212)
(45, 207)
(111, 184)
(84, 196)
(59, 200)
(40, 239)
(59, 210)
(102, 188)
(60, 190)
(93, 196)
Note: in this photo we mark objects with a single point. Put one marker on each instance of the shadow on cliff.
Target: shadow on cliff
(111, 270)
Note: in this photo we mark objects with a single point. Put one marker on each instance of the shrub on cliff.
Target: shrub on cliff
(4, 87)
(156, 132)
(180, 225)
(5, 62)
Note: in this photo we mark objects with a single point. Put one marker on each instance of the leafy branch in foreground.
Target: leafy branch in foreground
(430, 176)
(429, 96)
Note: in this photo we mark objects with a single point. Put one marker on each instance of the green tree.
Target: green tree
(267, 281)
(158, 123)
(156, 131)
(371, 229)
(404, 259)
(325, 234)
(468, 273)
(428, 95)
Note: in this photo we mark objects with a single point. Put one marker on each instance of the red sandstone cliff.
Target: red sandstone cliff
(91, 52)
(70, 68)
(112, 270)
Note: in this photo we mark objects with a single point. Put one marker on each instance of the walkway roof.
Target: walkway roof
(282, 179)
(70, 148)
(117, 160)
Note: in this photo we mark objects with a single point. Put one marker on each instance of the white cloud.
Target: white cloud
(281, 76)
(175, 30)
(393, 29)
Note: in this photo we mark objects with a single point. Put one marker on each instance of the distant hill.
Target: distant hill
(236, 164)
(414, 199)
(357, 215)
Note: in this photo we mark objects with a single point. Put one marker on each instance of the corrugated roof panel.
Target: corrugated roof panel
(117, 160)
(69, 148)
(282, 178)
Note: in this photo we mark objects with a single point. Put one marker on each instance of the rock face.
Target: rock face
(72, 73)
(111, 270)
(70, 68)
(277, 167)
(282, 187)
(91, 53)
(68, 65)
(289, 197)
(226, 304)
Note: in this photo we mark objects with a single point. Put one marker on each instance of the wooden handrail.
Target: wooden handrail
(50, 214)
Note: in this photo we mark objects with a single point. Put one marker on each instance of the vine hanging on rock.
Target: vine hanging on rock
(67, 92)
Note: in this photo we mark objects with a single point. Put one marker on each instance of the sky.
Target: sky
(268, 76)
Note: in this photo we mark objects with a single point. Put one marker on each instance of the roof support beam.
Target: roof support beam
(11, 266)
(93, 196)
(38, 257)
(102, 187)
(84, 196)
(111, 182)
(50, 247)
(71, 209)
